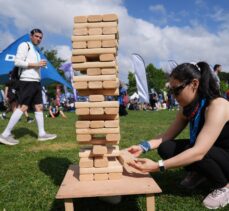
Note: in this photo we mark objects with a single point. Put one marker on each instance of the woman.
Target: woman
(206, 153)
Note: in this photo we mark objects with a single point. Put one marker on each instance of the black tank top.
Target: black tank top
(223, 138)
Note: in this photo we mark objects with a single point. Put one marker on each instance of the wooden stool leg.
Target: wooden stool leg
(68, 204)
(150, 202)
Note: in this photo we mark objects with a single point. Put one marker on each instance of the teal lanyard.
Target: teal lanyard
(195, 122)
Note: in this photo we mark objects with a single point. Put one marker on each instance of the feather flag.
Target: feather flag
(140, 76)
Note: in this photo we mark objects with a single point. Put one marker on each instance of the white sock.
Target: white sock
(40, 123)
(13, 121)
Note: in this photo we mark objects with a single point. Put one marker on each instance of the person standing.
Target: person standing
(29, 62)
(217, 69)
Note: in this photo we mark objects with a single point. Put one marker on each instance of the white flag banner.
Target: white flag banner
(168, 66)
(140, 76)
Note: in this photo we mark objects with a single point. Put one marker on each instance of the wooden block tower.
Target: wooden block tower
(95, 44)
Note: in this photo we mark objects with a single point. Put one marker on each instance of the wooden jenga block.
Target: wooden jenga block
(97, 104)
(98, 141)
(93, 71)
(83, 138)
(95, 78)
(110, 84)
(109, 169)
(95, 31)
(106, 57)
(108, 71)
(96, 111)
(80, 19)
(111, 123)
(93, 51)
(82, 111)
(99, 150)
(111, 110)
(78, 59)
(99, 117)
(86, 177)
(95, 25)
(78, 45)
(98, 131)
(95, 85)
(86, 65)
(110, 17)
(96, 98)
(82, 124)
(114, 176)
(109, 43)
(80, 31)
(99, 177)
(105, 92)
(81, 85)
(94, 18)
(113, 137)
(86, 162)
(94, 44)
(93, 37)
(100, 162)
(97, 124)
(110, 30)
(113, 151)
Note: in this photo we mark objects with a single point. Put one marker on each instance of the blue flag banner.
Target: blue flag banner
(48, 75)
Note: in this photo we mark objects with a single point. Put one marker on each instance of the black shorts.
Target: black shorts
(29, 93)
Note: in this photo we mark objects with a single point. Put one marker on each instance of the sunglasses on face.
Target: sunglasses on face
(177, 90)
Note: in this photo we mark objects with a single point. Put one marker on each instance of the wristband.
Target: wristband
(145, 146)
(161, 166)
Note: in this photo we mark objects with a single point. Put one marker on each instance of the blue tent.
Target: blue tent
(48, 75)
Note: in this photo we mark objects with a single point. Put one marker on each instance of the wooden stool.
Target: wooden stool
(130, 184)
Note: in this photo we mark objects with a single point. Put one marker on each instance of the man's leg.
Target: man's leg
(42, 135)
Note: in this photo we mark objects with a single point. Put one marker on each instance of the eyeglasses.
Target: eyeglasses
(177, 90)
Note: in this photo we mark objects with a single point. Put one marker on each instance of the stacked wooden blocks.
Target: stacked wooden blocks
(95, 45)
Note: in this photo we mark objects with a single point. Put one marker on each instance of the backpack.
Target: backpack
(15, 73)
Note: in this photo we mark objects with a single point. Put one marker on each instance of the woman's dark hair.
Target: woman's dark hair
(186, 72)
(36, 31)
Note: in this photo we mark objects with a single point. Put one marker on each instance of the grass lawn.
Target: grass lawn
(31, 172)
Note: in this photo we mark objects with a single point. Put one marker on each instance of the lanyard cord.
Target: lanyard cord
(194, 123)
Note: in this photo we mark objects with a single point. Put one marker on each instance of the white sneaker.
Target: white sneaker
(47, 137)
(8, 140)
(216, 199)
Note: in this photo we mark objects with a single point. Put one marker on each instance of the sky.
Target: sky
(158, 30)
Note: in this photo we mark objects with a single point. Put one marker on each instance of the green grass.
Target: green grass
(31, 172)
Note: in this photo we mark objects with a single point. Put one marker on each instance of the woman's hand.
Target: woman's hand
(135, 150)
(144, 165)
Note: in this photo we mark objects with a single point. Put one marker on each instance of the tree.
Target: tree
(131, 84)
(156, 78)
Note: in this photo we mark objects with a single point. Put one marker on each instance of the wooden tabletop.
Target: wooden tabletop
(130, 184)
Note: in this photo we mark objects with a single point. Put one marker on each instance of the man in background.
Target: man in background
(29, 62)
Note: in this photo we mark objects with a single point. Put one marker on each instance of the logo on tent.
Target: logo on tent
(9, 57)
